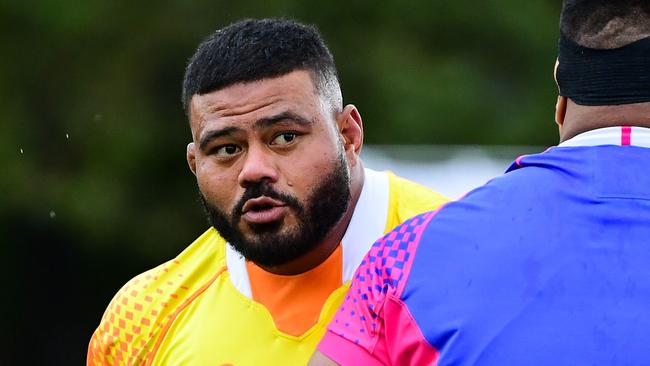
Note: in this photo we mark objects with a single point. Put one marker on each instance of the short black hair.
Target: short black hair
(605, 24)
(256, 49)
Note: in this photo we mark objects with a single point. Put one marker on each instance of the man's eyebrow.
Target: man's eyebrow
(205, 140)
(282, 117)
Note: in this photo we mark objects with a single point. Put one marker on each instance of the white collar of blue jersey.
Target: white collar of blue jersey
(634, 136)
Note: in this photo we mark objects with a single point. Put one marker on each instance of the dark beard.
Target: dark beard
(324, 207)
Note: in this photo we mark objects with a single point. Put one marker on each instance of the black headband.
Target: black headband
(604, 77)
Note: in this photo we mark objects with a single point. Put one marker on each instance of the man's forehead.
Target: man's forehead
(294, 91)
(294, 84)
(221, 104)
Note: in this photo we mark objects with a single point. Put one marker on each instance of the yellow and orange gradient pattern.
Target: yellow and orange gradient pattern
(142, 312)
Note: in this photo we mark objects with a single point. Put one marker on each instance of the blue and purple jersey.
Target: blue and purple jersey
(547, 265)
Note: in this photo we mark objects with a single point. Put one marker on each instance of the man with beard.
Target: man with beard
(546, 265)
(276, 157)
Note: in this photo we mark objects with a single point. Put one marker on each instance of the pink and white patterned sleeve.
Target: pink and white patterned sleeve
(373, 326)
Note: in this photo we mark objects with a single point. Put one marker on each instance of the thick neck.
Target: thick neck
(579, 119)
(333, 238)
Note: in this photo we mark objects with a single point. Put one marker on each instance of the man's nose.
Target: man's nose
(258, 166)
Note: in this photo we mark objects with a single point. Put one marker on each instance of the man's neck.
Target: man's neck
(579, 119)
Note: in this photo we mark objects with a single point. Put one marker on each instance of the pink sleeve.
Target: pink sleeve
(344, 352)
(373, 326)
(399, 342)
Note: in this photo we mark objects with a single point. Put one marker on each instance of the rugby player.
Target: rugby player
(293, 211)
(546, 265)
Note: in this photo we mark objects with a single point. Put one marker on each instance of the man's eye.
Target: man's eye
(284, 138)
(227, 150)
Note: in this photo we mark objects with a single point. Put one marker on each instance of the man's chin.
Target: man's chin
(256, 231)
(266, 249)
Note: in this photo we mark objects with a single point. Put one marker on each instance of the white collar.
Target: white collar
(368, 221)
(367, 224)
(622, 136)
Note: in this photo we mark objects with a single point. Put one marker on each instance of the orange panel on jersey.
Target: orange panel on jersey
(295, 302)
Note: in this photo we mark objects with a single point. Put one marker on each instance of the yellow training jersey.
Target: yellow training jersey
(198, 310)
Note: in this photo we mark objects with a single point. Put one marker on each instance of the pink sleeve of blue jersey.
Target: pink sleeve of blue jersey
(373, 326)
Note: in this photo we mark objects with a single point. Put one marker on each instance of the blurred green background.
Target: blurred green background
(95, 187)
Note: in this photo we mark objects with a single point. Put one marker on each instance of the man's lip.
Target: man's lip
(261, 201)
(266, 216)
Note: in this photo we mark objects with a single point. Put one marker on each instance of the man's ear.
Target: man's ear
(560, 105)
(191, 157)
(350, 127)
(560, 110)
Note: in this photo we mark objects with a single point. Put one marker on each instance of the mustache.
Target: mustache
(264, 189)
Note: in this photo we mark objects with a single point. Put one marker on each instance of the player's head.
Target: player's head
(603, 64)
(605, 24)
(252, 49)
(274, 151)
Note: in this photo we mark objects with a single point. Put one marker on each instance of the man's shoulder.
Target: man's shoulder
(189, 269)
(408, 198)
(143, 308)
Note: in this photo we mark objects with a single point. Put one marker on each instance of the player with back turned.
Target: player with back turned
(546, 265)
